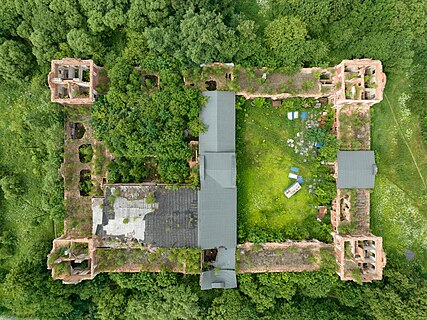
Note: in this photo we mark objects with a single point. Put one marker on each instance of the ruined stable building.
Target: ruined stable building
(149, 219)
(73, 81)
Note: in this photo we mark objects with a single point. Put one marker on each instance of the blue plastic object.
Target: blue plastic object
(293, 169)
(300, 180)
(303, 115)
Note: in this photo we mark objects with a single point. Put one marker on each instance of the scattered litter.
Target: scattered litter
(293, 176)
(289, 192)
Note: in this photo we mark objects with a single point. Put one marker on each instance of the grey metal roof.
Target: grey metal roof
(226, 258)
(218, 279)
(221, 167)
(219, 116)
(356, 170)
(217, 199)
(217, 213)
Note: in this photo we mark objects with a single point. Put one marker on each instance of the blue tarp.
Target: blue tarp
(293, 169)
(303, 115)
(300, 180)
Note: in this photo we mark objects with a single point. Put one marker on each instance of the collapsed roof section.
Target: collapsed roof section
(217, 198)
(73, 81)
(148, 213)
(356, 169)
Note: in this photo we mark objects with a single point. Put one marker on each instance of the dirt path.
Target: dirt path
(406, 142)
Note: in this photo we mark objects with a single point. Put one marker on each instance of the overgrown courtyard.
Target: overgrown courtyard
(268, 145)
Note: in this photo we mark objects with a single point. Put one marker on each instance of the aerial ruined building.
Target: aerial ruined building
(150, 227)
(73, 81)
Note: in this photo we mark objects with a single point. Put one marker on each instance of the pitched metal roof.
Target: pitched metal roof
(226, 258)
(217, 211)
(219, 116)
(217, 200)
(356, 170)
(218, 279)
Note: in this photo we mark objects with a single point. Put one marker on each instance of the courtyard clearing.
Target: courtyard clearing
(265, 156)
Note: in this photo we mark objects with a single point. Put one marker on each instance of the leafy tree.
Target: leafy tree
(110, 304)
(7, 244)
(15, 61)
(326, 192)
(81, 42)
(287, 37)
(104, 14)
(153, 129)
(250, 49)
(231, 305)
(69, 9)
(9, 19)
(163, 304)
(284, 31)
(29, 291)
(205, 38)
(11, 186)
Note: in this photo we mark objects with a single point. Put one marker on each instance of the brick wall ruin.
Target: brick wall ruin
(359, 254)
(73, 81)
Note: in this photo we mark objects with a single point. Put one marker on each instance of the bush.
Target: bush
(11, 186)
(150, 199)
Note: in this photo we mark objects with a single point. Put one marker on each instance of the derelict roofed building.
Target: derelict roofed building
(126, 212)
(356, 170)
(217, 198)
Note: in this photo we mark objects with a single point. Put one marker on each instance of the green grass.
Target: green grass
(31, 133)
(399, 200)
(263, 165)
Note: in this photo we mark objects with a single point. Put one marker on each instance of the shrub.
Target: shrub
(150, 199)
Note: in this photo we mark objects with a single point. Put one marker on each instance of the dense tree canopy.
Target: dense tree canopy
(147, 126)
(15, 60)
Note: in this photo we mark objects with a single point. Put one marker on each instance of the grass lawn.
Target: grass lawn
(263, 164)
(399, 200)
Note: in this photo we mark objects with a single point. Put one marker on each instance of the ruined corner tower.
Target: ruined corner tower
(73, 81)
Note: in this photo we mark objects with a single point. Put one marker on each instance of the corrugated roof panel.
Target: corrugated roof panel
(356, 170)
(217, 215)
(218, 279)
(219, 116)
(217, 198)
